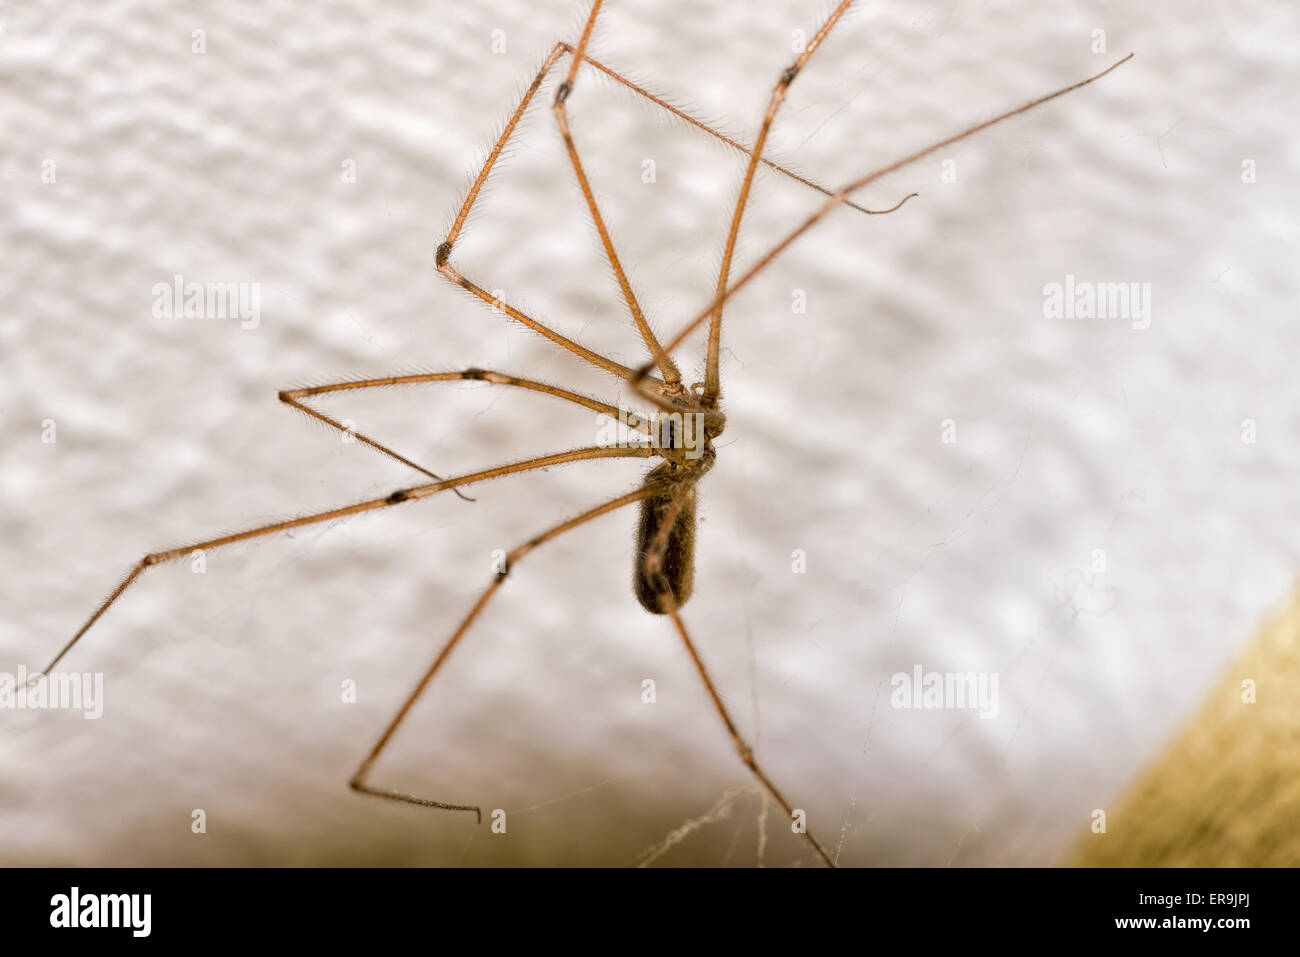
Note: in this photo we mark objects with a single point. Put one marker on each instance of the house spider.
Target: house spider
(663, 575)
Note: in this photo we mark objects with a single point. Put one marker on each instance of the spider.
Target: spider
(663, 567)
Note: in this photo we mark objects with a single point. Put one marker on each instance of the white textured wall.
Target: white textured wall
(223, 689)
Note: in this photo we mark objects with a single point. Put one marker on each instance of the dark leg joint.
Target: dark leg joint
(443, 254)
(788, 76)
(562, 93)
(475, 373)
(401, 495)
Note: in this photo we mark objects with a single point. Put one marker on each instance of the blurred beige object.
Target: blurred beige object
(1226, 793)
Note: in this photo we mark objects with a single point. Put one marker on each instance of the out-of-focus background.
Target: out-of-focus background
(1113, 518)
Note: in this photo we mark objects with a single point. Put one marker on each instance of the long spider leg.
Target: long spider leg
(841, 194)
(293, 397)
(358, 780)
(667, 368)
(712, 383)
(395, 498)
(445, 249)
(652, 565)
(443, 256)
(288, 397)
(742, 747)
(716, 134)
(559, 50)
(442, 259)
(595, 358)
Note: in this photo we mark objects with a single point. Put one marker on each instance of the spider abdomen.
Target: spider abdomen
(676, 574)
